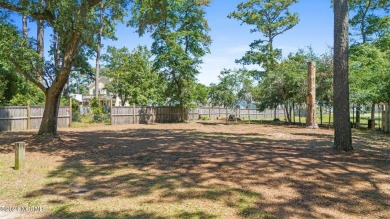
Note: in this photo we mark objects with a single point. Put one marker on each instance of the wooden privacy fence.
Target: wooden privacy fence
(17, 118)
(141, 114)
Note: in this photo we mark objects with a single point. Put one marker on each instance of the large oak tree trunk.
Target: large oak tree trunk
(53, 93)
(342, 123)
(49, 120)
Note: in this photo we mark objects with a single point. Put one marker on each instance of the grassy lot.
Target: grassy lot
(325, 120)
(201, 169)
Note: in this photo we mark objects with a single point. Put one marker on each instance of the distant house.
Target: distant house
(103, 81)
(104, 96)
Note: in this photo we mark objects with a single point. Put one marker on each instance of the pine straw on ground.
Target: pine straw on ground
(198, 170)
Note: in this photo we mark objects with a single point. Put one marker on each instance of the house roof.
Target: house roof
(103, 79)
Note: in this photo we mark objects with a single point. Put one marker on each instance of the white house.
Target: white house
(103, 94)
(102, 84)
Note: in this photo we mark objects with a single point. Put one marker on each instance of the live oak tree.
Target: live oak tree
(180, 33)
(271, 18)
(342, 124)
(133, 79)
(369, 67)
(367, 23)
(285, 85)
(234, 86)
(200, 92)
(75, 24)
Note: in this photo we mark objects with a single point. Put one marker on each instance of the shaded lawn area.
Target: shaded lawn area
(198, 170)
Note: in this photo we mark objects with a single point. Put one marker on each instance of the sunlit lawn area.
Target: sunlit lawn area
(201, 169)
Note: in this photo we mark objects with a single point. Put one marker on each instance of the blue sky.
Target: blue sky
(231, 39)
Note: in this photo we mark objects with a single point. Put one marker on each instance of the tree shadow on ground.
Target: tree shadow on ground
(253, 176)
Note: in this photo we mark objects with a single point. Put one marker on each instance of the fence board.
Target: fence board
(142, 115)
(14, 118)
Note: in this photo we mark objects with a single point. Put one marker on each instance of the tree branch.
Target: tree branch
(28, 76)
(45, 15)
(92, 3)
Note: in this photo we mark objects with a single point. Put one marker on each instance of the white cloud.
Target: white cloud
(237, 50)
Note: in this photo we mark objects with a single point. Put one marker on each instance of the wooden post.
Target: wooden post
(152, 112)
(20, 149)
(111, 111)
(249, 116)
(379, 116)
(28, 115)
(70, 111)
(134, 113)
(386, 118)
(311, 96)
(209, 112)
(227, 115)
(169, 114)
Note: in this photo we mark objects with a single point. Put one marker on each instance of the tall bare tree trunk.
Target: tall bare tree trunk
(293, 113)
(342, 123)
(357, 121)
(353, 114)
(275, 116)
(25, 29)
(40, 45)
(97, 72)
(299, 115)
(311, 118)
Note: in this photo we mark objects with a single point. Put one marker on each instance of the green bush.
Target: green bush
(76, 117)
(98, 111)
(65, 102)
(204, 118)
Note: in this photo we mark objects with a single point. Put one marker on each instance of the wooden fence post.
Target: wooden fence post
(28, 115)
(70, 111)
(20, 149)
(249, 116)
(169, 114)
(227, 115)
(134, 113)
(209, 112)
(111, 111)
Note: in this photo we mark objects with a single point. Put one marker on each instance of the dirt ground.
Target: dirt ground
(200, 169)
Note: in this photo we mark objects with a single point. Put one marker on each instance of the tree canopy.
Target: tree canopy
(180, 33)
(271, 18)
(132, 77)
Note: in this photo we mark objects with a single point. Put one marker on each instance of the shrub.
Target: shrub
(98, 111)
